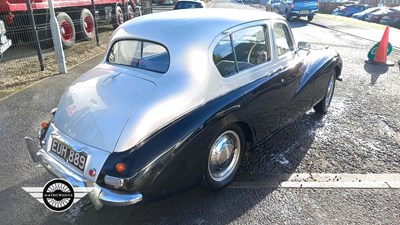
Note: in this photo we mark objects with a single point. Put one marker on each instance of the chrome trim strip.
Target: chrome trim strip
(98, 196)
(114, 181)
(113, 198)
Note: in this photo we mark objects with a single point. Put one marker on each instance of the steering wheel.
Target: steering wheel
(254, 53)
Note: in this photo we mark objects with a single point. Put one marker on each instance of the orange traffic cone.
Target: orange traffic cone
(380, 57)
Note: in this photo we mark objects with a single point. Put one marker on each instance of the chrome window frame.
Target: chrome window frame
(267, 38)
(292, 48)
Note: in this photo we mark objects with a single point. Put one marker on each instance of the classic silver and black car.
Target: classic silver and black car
(180, 105)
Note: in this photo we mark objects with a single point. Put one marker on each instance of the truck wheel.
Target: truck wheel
(85, 27)
(131, 13)
(310, 17)
(118, 17)
(67, 30)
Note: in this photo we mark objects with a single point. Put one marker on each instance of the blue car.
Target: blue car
(349, 10)
(364, 14)
(293, 8)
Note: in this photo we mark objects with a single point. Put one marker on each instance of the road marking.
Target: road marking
(318, 181)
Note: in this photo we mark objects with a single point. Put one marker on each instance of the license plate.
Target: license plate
(4, 47)
(303, 11)
(77, 159)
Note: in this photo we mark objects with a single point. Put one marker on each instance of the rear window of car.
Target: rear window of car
(188, 5)
(140, 54)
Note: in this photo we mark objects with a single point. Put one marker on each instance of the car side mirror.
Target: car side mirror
(302, 45)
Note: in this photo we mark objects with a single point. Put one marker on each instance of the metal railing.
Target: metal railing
(85, 32)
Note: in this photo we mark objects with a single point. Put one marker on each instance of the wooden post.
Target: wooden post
(55, 33)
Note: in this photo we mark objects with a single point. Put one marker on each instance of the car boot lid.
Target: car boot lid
(97, 105)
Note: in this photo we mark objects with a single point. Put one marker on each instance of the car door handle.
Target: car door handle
(275, 72)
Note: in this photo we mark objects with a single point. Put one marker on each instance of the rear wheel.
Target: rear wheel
(323, 105)
(67, 30)
(85, 27)
(310, 17)
(118, 17)
(223, 159)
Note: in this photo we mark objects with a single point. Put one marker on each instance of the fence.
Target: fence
(85, 28)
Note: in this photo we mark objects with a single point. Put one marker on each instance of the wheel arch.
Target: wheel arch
(248, 134)
(338, 71)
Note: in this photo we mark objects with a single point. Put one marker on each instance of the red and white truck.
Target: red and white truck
(74, 17)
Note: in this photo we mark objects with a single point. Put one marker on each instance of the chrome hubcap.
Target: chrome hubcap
(224, 156)
(329, 92)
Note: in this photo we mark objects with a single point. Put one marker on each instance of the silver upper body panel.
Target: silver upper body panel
(113, 107)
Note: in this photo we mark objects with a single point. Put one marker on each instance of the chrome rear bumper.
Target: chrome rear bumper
(98, 196)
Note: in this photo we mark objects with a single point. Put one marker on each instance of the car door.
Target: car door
(260, 86)
(296, 93)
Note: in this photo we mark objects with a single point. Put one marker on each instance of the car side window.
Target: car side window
(224, 57)
(283, 39)
(250, 48)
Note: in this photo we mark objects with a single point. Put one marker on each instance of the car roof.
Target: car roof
(189, 25)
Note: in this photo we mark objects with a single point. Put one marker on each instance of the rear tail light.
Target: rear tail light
(292, 5)
(44, 125)
(120, 167)
(92, 172)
